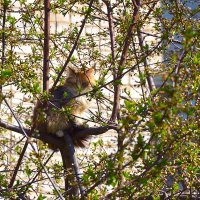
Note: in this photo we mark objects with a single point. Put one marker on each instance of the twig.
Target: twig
(3, 40)
(18, 122)
(148, 75)
(178, 66)
(24, 148)
(175, 70)
(150, 10)
(52, 182)
(18, 164)
(38, 172)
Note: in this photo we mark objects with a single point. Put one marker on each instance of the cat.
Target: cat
(65, 108)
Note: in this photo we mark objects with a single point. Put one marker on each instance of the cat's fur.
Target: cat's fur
(65, 108)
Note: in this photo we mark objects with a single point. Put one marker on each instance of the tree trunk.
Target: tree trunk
(73, 186)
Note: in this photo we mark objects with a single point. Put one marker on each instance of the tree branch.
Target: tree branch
(149, 77)
(18, 164)
(36, 175)
(174, 71)
(112, 41)
(111, 32)
(116, 105)
(71, 165)
(46, 45)
(48, 138)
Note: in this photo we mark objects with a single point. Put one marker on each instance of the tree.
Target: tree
(157, 135)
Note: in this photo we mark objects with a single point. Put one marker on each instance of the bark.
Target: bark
(72, 178)
(46, 45)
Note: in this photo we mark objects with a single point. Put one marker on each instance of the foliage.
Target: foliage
(147, 58)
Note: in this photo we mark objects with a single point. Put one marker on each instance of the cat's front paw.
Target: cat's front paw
(60, 133)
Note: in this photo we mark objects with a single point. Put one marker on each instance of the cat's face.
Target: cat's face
(81, 81)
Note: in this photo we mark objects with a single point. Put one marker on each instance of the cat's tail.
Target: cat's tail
(78, 143)
(81, 142)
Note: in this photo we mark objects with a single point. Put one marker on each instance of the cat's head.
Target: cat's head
(80, 81)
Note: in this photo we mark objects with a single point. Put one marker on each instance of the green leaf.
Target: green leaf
(41, 197)
(197, 59)
(65, 94)
(7, 2)
(28, 170)
(140, 140)
(157, 116)
(36, 87)
(112, 180)
(130, 105)
(6, 73)
(144, 181)
(176, 187)
(11, 20)
(118, 82)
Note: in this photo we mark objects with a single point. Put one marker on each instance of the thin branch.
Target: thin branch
(111, 31)
(18, 122)
(178, 66)
(18, 164)
(3, 39)
(52, 182)
(150, 9)
(38, 172)
(116, 105)
(175, 70)
(24, 148)
(139, 71)
(11, 148)
(112, 40)
(129, 35)
(148, 75)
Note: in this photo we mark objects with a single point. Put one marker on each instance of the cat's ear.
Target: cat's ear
(90, 71)
(71, 72)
